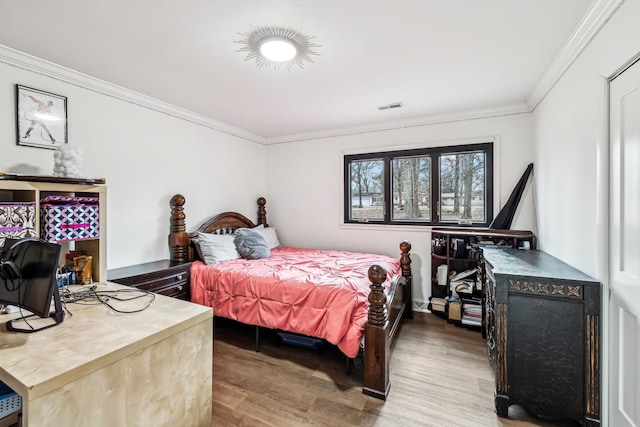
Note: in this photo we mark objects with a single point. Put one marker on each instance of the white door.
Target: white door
(624, 262)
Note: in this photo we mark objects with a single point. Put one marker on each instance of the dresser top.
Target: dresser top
(142, 269)
(532, 263)
(482, 232)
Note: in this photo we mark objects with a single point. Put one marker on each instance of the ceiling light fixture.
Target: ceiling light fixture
(274, 46)
(277, 49)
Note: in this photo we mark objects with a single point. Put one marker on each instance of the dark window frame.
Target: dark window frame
(434, 153)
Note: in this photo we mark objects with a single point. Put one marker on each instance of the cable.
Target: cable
(19, 288)
(92, 297)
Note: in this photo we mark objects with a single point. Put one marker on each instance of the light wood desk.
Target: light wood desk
(101, 368)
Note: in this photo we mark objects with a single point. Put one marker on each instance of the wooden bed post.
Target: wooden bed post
(405, 263)
(262, 212)
(377, 352)
(178, 237)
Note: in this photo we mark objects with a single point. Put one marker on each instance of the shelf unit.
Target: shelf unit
(456, 249)
(21, 189)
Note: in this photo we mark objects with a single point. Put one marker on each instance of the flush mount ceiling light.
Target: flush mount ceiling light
(277, 47)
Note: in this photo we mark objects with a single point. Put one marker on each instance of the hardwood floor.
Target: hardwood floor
(440, 376)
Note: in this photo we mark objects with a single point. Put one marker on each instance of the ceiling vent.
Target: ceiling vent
(391, 106)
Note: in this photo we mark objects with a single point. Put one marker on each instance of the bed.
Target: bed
(346, 298)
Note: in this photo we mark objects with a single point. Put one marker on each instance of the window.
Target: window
(431, 186)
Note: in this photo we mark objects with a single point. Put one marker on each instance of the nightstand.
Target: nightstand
(162, 277)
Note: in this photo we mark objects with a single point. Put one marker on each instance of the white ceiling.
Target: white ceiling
(435, 56)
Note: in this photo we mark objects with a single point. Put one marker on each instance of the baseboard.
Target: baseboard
(421, 306)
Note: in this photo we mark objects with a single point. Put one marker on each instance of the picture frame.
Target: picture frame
(41, 118)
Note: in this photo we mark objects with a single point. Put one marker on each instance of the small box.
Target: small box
(10, 401)
(17, 220)
(455, 311)
(441, 274)
(304, 341)
(66, 218)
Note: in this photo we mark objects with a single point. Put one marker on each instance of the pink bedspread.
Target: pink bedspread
(320, 293)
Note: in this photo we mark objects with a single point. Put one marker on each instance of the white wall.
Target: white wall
(305, 187)
(146, 157)
(572, 143)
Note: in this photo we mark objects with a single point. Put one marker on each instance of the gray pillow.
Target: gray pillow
(215, 248)
(251, 245)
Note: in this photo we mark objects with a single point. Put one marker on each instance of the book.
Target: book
(466, 320)
(463, 275)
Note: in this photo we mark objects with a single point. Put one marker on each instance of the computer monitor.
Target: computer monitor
(28, 280)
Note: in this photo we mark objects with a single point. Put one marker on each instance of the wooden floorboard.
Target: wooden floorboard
(440, 376)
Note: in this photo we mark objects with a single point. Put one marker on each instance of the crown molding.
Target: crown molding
(49, 69)
(483, 113)
(597, 15)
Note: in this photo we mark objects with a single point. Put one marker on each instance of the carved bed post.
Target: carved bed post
(262, 212)
(405, 263)
(377, 351)
(178, 237)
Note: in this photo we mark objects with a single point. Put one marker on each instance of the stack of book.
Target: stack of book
(471, 312)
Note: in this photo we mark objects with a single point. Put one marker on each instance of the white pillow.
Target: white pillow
(216, 248)
(269, 234)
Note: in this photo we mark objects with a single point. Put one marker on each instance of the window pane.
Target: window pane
(367, 189)
(462, 187)
(411, 183)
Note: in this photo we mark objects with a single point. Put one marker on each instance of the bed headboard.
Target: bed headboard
(180, 245)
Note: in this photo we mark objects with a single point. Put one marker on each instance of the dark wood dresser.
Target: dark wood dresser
(543, 335)
(163, 277)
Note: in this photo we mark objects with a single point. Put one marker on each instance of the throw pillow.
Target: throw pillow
(270, 235)
(251, 245)
(216, 248)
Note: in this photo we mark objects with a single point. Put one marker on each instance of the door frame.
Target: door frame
(603, 202)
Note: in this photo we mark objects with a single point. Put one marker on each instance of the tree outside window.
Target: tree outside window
(367, 189)
(411, 188)
(462, 187)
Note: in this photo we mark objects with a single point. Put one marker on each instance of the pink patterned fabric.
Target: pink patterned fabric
(17, 220)
(319, 293)
(66, 218)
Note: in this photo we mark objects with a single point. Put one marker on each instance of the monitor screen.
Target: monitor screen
(28, 276)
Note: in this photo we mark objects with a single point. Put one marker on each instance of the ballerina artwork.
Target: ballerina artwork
(42, 118)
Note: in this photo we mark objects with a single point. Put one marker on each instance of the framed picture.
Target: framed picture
(41, 118)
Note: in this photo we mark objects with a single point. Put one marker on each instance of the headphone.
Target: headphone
(9, 270)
